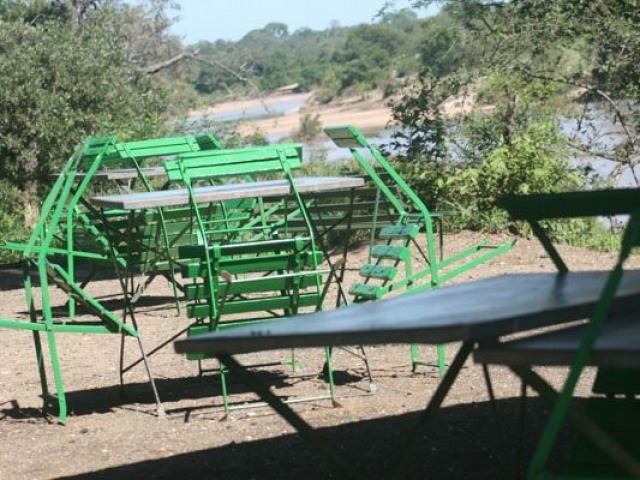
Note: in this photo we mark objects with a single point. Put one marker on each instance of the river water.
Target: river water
(603, 168)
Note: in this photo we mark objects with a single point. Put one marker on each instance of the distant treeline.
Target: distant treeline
(336, 60)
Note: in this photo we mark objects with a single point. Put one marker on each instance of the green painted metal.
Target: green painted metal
(247, 265)
(392, 252)
(368, 291)
(217, 164)
(607, 444)
(399, 231)
(398, 216)
(383, 272)
(70, 230)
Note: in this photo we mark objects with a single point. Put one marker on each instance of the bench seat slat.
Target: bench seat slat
(198, 291)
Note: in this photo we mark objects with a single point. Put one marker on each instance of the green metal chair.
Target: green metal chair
(69, 231)
(247, 265)
(606, 444)
(39, 257)
(254, 282)
(397, 220)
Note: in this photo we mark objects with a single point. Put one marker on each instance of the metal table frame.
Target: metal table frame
(467, 313)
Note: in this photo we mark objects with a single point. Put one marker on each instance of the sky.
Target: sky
(231, 19)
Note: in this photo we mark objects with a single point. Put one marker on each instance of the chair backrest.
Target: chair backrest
(193, 167)
(346, 136)
(157, 147)
(394, 198)
(392, 185)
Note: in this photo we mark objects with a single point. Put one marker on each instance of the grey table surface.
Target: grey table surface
(267, 188)
(471, 311)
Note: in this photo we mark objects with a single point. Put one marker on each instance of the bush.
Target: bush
(11, 221)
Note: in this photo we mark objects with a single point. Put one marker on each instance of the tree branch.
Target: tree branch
(155, 68)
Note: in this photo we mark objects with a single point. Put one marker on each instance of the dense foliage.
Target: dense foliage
(488, 98)
(549, 81)
(338, 60)
(69, 70)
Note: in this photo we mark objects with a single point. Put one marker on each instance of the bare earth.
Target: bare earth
(109, 435)
(366, 112)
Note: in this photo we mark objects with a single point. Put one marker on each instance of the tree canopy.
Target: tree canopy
(487, 97)
(69, 70)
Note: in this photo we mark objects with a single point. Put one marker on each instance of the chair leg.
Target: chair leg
(373, 386)
(145, 360)
(442, 367)
(57, 376)
(329, 372)
(441, 363)
(293, 362)
(41, 371)
(224, 388)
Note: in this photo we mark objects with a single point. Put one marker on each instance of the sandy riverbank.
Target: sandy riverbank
(365, 112)
(368, 111)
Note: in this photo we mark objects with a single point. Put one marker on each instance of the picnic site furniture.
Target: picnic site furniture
(403, 228)
(125, 166)
(607, 442)
(159, 232)
(472, 312)
(244, 264)
(67, 232)
(249, 266)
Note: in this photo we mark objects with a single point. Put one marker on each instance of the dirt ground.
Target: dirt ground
(116, 434)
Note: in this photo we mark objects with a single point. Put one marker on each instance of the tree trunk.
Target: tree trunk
(30, 204)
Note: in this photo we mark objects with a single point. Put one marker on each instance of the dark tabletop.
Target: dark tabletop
(465, 312)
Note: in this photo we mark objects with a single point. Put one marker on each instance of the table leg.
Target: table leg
(581, 422)
(434, 404)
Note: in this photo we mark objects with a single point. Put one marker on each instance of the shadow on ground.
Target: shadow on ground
(172, 391)
(464, 442)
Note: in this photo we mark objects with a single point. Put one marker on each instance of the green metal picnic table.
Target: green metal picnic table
(472, 313)
(243, 260)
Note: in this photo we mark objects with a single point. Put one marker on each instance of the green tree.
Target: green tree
(58, 86)
(367, 55)
(589, 52)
